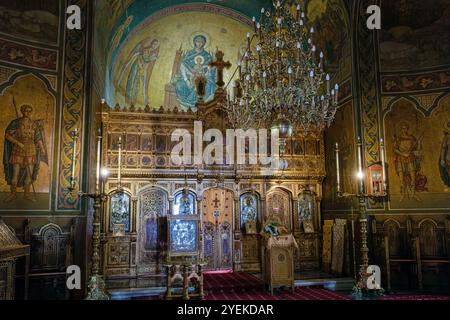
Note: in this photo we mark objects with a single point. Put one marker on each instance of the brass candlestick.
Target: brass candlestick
(96, 284)
(361, 282)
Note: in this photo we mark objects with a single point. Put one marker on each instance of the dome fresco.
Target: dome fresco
(166, 32)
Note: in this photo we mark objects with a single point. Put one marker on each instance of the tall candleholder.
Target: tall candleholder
(96, 284)
(72, 181)
(361, 286)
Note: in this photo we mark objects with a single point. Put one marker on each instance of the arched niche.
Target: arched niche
(278, 203)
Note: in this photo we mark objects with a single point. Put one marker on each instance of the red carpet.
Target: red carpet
(414, 297)
(299, 294)
(230, 281)
(244, 286)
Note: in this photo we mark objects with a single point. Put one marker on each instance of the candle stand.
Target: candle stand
(362, 288)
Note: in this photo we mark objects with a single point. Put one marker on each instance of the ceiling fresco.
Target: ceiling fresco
(141, 44)
(414, 34)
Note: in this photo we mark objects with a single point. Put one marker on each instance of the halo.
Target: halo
(202, 60)
(200, 33)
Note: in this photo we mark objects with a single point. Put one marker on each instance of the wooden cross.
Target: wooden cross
(219, 64)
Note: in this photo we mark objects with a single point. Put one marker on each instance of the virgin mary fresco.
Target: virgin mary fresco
(194, 63)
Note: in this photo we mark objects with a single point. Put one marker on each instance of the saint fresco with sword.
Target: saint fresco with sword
(24, 150)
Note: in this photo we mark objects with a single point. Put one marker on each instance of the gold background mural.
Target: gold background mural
(28, 90)
(341, 131)
(413, 149)
(174, 32)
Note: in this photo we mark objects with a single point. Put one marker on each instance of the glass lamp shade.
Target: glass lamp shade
(283, 126)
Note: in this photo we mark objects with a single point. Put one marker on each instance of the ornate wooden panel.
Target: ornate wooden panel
(49, 245)
(217, 228)
(152, 234)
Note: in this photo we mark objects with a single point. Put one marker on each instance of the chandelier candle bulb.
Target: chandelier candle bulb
(328, 83)
(290, 75)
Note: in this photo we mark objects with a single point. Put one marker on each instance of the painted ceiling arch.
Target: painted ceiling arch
(124, 26)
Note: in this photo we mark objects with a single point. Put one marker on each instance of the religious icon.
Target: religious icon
(131, 161)
(151, 234)
(193, 64)
(132, 142)
(248, 213)
(183, 236)
(24, 150)
(306, 211)
(146, 143)
(146, 161)
(274, 226)
(184, 203)
(160, 143)
(444, 160)
(120, 210)
(408, 158)
(140, 62)
(299, 147)
(114, 141)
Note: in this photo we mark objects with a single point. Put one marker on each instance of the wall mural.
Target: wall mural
(159, 64)
(16, 53)
(332, 34)
(341, 131)
(417, 155)
(414, 34)
(26, 141)
(30, 19)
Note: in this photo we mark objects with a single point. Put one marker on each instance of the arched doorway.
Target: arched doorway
(217, 225)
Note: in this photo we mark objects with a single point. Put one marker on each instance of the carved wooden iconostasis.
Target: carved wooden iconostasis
(232, 205)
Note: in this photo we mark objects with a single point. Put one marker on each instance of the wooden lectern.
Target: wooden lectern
(278, 253)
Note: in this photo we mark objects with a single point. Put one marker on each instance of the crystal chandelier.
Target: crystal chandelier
(281, 80)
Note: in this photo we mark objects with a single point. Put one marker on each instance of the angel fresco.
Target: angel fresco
(189, 66)
(24, 150)
(140, 63)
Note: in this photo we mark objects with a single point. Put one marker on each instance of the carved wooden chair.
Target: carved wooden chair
(432, 251)
(400, 251)
(52, 253)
